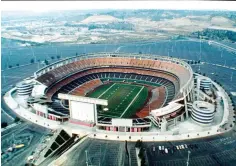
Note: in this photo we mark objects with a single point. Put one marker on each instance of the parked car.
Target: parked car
(166, 150)
(186, 146)
(163, 148)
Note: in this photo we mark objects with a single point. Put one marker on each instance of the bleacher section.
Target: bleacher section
(87, 83)
(144, 76)
(144, 79)
(78, 76)
(158, 99)
(59, 73)
(86, 87)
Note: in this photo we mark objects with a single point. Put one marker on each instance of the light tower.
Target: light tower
(189, 152)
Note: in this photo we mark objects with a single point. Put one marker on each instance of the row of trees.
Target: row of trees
(194, 62)
(46, 62)
(215, 34)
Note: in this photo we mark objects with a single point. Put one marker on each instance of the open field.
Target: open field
(123, 99)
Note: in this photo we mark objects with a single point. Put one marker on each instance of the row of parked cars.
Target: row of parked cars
(173, 149)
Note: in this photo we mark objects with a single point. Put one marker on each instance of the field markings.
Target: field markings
(106, 91)
(132, 101)
(124, 98)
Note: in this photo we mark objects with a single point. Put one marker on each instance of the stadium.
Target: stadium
(121, 93)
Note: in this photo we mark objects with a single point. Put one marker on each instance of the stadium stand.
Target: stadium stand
(79, 76)
(58, 73)
(83, 89)
(157, 100)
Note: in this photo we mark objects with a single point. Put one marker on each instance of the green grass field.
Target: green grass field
(123, 99)
(131, 81)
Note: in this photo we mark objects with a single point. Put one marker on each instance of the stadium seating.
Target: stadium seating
(58, 73)
(154, 103)
(83, 89)
(86, 83)
(159, 78)
(80, 77)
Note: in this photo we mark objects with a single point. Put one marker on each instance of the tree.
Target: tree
(17, 119)
(4, 124)
(143, 162)
(46, 62)
(32, 61)
(52, 57)
(10, 66)
(76, 54)
(58, 56)
(138, 144)
(17, 64)
(141, 153)
(140, 52)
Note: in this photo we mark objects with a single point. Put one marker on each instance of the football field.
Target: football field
(123, 99)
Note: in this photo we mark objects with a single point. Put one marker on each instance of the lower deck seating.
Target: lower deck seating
(83, 89)
(157, 100)
(134, 74)
(84, 84)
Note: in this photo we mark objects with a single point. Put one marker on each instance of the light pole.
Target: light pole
(231, 78)
(200, 48)
(188, 158)
(86, 154)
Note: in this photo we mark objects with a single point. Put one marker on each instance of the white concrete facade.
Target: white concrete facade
(187, 96)
(122, 136)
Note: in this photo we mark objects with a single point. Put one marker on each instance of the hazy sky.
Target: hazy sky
(42, 6)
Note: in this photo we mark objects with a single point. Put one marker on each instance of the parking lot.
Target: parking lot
(217, 150)
(98, 152)
(213, 151)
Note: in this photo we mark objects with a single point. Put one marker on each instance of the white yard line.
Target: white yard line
(106, 91)
(132, 101)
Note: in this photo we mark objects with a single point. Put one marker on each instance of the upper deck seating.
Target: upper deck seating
(63, 71)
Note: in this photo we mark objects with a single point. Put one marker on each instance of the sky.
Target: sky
(44, 6)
